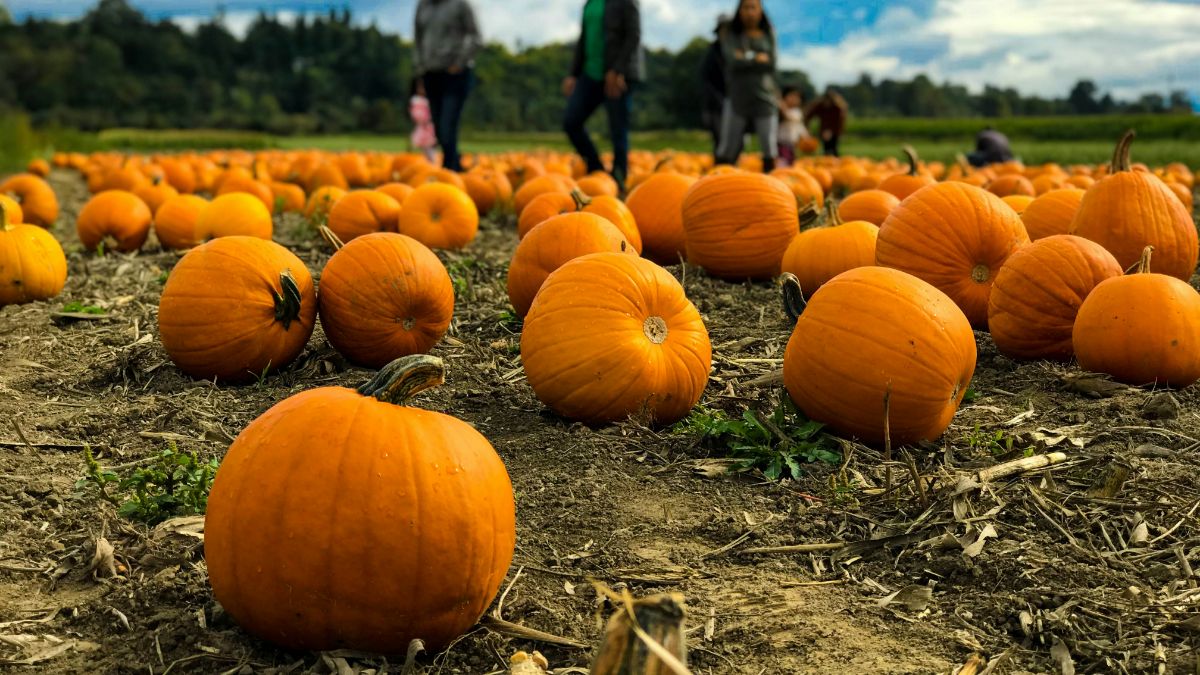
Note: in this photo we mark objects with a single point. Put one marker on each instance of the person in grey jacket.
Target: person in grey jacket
(608, 61)
(446, 40)
(752, 92)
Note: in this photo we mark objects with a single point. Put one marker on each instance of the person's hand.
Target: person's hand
(420, 86)
(454, 70)
(763, 57)
(614, 84)
(568, 86)
(826, 134)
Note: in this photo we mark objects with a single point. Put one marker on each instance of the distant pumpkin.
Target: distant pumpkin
(117, 219)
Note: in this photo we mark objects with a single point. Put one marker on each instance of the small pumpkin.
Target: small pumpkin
(597, 184)
(37, 199)
(738, 224)
(363, 212)
(38, 167)
(533, 187)
(544, 207)
(657, 207)
(1011, 184)
(155, 193)
(954, 236)
(819, 254)
(552, 244)
(417, 511)
(612, 335)
(289, 197)
(1051, 213)
(234, 214)
(872, 206)
(806, 188)
(1038, 292)
(383, 296)
(115, 218)
(489, 189)
(322, 200)
(397, 191)
(1128, 210)
(439, 216)
(1018, 203)
(32, 263)
(261, 191)
(175, 221)
(873, 335)
(901, 185)
(12, 211)
(1142, 328)
(236, 308)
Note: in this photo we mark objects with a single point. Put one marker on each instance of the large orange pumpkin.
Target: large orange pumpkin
(175, 221)
(36, 197)
(383, 296)
(614, 211)
(873, 333)
(612, 335)
(1051, 213)
(657, 207)
(236, 308)
(234, 214)
(363, 212)
(344, 519)
(1142, 328)
(115, 218)
(1127, 211)
(32, 263)
(552, 244)
(439, 216)
(738, 225)
(872, 206)
(819, 254)
(1038, 291)
(954, 236)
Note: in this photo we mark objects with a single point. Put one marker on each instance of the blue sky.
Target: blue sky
(1038, 46)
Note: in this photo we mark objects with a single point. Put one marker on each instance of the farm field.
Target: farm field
(922, 564)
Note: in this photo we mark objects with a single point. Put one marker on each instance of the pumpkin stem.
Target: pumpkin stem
(963, 163)
(835, 218)
(1120, 160)
(582, 201)
(3, 218)
(287, 303)
(663, 162)
(911, 153)
(793, 296)
(331, 237)
(404, 378)
(809, 215)
(1142, 266)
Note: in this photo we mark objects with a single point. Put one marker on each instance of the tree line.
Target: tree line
(114, 67)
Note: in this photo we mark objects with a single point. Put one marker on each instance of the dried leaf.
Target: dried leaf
(915, 598)
(712, 468)
(974, 540)
(1053, 437)
(569, 587)
(104, 562)
(1028, 414)
(1094, 386)
(1062, 655)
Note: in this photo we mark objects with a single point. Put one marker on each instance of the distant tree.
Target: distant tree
(1082, 98)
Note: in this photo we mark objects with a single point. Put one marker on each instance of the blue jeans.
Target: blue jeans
(584, 101)
(447, 95)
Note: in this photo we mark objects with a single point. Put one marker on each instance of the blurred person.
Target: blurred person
(423, 138)
(445, 44)
(752, 93)
(608, 62)
(991, 147)
(831, 110)
(712, 76)
(791, 125)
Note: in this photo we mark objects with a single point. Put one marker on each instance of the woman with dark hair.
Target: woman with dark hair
(608, 61)
(752, 93)
(446, 40)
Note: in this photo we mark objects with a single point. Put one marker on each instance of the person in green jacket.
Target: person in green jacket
(751, 87)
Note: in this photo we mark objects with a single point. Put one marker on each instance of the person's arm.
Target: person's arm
(472, 40)
(418, 36)
(631, 38)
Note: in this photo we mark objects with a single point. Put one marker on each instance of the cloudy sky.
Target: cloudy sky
(1038, 46)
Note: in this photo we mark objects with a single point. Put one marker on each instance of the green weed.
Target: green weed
(80, 308)
(174, 484)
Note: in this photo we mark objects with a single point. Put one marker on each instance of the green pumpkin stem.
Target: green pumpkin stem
(793, 296)
(809, 215)
(404, 378)
(1120, 160)
(911, 153)
(3, 218)
(287, 303)
(582, 201)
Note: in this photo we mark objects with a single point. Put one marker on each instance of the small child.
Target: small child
(791, 125)
(424, 137)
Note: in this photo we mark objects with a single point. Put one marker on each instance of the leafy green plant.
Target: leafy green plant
(174, 484)
(460, 275)
(776, 444)
(80, 308)
(971, 396)
(996, 442)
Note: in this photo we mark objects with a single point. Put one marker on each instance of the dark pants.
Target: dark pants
(588, 96)
(447, 95)
(831, 146)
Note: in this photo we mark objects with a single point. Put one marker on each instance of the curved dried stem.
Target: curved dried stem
(582, 201)
(404, 378)
(911, 153)
(793, 296)
(1142, 266)
(1120, 159)
(331, 237)
(287, 303)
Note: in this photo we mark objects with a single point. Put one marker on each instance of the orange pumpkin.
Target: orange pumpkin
(1038, 292)
(544, 207)
(540, 185)
(1142, 328)
(657, 207)
(1051, 213)
(32, 263)
(873, 334)
(115, 218)
(258, 189)
(614, 211)
(1184, 194)
(175, 221)
(322, 200)
(1018, 203)
(1011, 184)
(289, 197)
(397, 191)
(38, 167)
(12, 211)
(363, 212)
(954, 236)
(419, 522)
(806, 188)
(738, 225)
(819, 254)
(37, 199)
(383, 296)
(180, 175)
(552, 244)
(872, 206)
(154, 194)
(597, 184)
(612, 335)
(439, 216)
(235, 308)
(489, 189)
(1128, 210)
(901, 185)
(234, 214)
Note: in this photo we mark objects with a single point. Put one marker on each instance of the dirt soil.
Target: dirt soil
(1085, 567)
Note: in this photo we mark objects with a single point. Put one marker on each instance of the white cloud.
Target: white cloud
(1038, 47)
